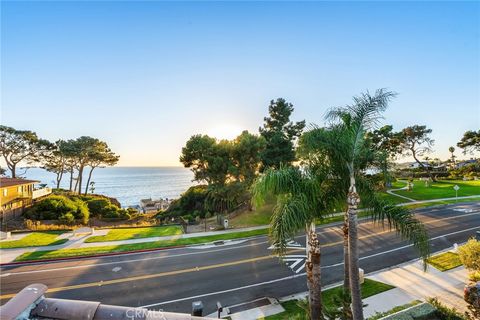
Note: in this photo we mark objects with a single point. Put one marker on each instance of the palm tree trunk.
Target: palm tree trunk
(353, 201)
(347, 310)
(314, 274)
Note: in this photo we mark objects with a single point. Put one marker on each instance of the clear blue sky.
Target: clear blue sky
(145, 76)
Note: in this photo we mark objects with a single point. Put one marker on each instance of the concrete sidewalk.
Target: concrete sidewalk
(446, 286)
(411, 283)
(9, 255)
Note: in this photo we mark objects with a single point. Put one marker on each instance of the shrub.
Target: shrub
(98, 206)
(67, 218)
(102, 207)
(445, 313)
(470, 254)
(58, 207)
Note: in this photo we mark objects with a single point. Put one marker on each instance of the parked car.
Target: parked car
(471, 294)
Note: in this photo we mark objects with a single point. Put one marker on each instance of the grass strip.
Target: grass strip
(34, 239)
(78, 252)
(441, 189)
(136, 233)
(445, 261)
(292, 309)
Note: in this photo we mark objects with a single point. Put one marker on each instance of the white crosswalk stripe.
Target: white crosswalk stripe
(295, 262)
(292, 244)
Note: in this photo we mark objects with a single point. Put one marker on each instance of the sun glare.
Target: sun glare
(225, 131)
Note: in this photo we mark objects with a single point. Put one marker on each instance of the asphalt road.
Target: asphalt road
(232, 274)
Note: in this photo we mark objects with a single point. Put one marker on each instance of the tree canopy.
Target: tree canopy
(280, 134)
(18, 146)
(470, 141)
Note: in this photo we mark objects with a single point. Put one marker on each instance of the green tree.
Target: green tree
(452, 156)
(55, 160)
(344, 151)
(21, 146)
(85, 152)
(209, 161)
(386, 143)
(280, 134)
(298, 205)
(415, 141)
(470, 141)
(99, 155)
(246, 156)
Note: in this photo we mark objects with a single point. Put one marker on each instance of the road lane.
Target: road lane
(230, 268)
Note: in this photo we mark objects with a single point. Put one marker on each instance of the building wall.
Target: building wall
(8, 206)
(8, 194)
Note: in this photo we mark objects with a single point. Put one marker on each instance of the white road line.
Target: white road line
(403, 247)
(226, 291)
(130, 261)
(301, 267)
(295, 275)
(180, 254)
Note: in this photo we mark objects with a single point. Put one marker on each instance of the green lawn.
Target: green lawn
(392, 199)
(445, 261)
(35, 239)
(78, 252)
(369, 288)
(441, 189)
(258, 217)
(441, 202)
(136, 233)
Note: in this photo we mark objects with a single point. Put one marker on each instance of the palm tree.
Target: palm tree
(346, 148)
(452, 157)
(299, 201)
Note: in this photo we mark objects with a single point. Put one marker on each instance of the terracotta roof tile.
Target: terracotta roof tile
(8, 182)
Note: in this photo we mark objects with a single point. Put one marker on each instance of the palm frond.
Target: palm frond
(291, 214)
(395, 218)
(275, 182)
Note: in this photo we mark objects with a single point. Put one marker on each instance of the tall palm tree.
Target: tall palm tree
(346, 147)
(299, 201)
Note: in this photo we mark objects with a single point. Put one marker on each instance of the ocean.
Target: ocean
(127, 184)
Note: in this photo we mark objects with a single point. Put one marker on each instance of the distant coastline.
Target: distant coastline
(128, 184)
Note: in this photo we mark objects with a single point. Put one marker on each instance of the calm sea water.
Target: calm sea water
(129, 184)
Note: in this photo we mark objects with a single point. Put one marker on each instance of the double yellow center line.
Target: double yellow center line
(175, 272)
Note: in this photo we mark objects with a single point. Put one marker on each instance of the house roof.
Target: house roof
(8, 182)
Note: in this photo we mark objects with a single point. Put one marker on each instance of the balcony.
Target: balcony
(41, 192)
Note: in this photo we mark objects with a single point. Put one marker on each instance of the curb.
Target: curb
(40, 261)
(7, 264)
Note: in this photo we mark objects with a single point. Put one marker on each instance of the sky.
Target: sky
(145, 76)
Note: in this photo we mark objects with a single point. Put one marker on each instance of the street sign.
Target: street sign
(295, 262)
(456, 188)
